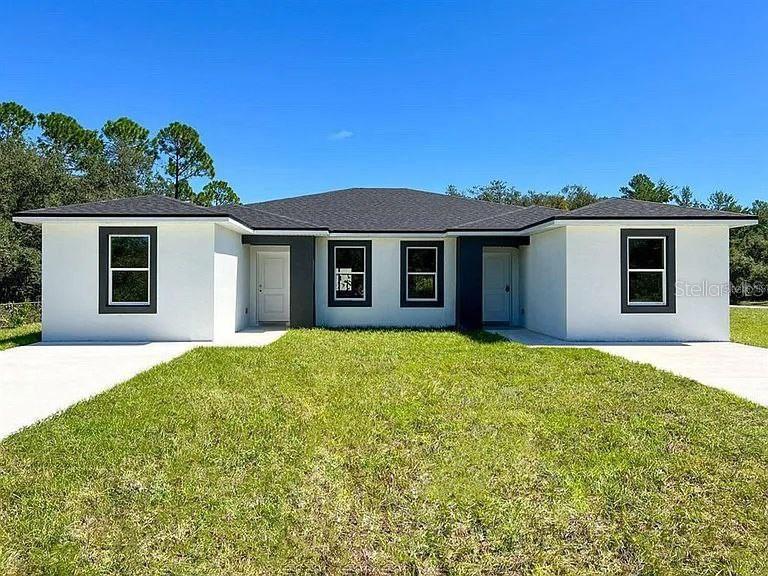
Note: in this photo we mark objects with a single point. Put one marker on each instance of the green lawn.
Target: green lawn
(19, 336)
(391, 451)
(750, 326)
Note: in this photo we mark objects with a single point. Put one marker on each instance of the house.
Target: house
(154, 268)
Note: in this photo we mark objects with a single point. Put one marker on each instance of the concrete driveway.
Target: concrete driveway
(737, 368)
(41, 379)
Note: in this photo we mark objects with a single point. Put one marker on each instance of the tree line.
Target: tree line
(50, 159)
(748, 247)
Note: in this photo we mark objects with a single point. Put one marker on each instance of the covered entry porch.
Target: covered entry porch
(282, 280)
(488, 281)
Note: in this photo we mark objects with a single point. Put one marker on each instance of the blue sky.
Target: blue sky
(299, 97)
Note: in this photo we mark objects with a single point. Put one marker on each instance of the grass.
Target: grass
(750, 326)
(391, 452)
(19, 336)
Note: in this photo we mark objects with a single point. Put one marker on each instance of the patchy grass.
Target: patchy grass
(19, 336)
(391, 451)
(750, 326)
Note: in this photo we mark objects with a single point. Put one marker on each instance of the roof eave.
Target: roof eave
(287, 232)
(644, 221)
(228, 221)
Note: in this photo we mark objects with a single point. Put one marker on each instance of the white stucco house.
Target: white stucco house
(154, 268)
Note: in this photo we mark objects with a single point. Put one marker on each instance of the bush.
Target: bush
(17, 313)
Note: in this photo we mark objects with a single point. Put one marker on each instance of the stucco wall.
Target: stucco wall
(184, 285)
(594, 287)
(385, 307)
(543, 277)
(231, 282)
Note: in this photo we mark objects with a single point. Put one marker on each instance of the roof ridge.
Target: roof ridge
(291, 218)
(601, 201)
(324, 193)
(398, 188)
(653, 203)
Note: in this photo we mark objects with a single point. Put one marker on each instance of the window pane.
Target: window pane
(646, 287)
(130, 252)
(130, 286)
(350, 286)
(421, 286)
(646, 253)
(422, 260)
(350, 259)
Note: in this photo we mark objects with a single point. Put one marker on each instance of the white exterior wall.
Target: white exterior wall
(185, 253)
(543, 281)
(385, 307)
(231, 262)
(594, 287)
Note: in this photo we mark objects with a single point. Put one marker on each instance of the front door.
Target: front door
(273, 289)
(497, 284)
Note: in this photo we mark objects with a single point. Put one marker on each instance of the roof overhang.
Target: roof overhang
(641, 222)
(225, 221)
(241, 228)
(287, 232)
(398, 234)
(458, 233)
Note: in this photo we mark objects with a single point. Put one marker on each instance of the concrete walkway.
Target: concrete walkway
(737, 368)
(41, 379)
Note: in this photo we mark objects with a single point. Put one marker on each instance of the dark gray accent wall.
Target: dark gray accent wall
(671, 305)
(469, 275)
(104, 306)
(302, 274)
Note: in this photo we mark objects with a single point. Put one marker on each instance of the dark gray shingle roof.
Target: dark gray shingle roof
(132, 206)
(625, 208)
(384, 210)
(260, 220)
(513, 220)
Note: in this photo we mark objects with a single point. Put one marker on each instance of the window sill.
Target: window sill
(421, 304)
(651, 309)
(349, 303)
(117, 309)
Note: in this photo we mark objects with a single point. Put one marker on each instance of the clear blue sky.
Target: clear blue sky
(299, 97)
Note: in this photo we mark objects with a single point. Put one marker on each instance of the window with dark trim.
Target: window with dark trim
(648, 271)
(349, 273)
(421, 274)
(128, 270)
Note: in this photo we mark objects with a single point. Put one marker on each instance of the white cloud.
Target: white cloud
(340, 135)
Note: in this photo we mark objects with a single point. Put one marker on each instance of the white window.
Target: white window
(129, 265)
(349, 282)
(646, 271)
(421, 273)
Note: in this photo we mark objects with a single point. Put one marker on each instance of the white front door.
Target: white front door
(497, 286)
(273, 286)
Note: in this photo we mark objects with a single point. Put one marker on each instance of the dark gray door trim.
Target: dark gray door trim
(404, 302)
(671, 305)
(104, 306)
(469, 275)
(302, 271)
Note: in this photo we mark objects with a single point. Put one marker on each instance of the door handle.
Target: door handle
(507, 288)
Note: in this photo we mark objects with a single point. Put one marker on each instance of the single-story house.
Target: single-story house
(154, 268)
